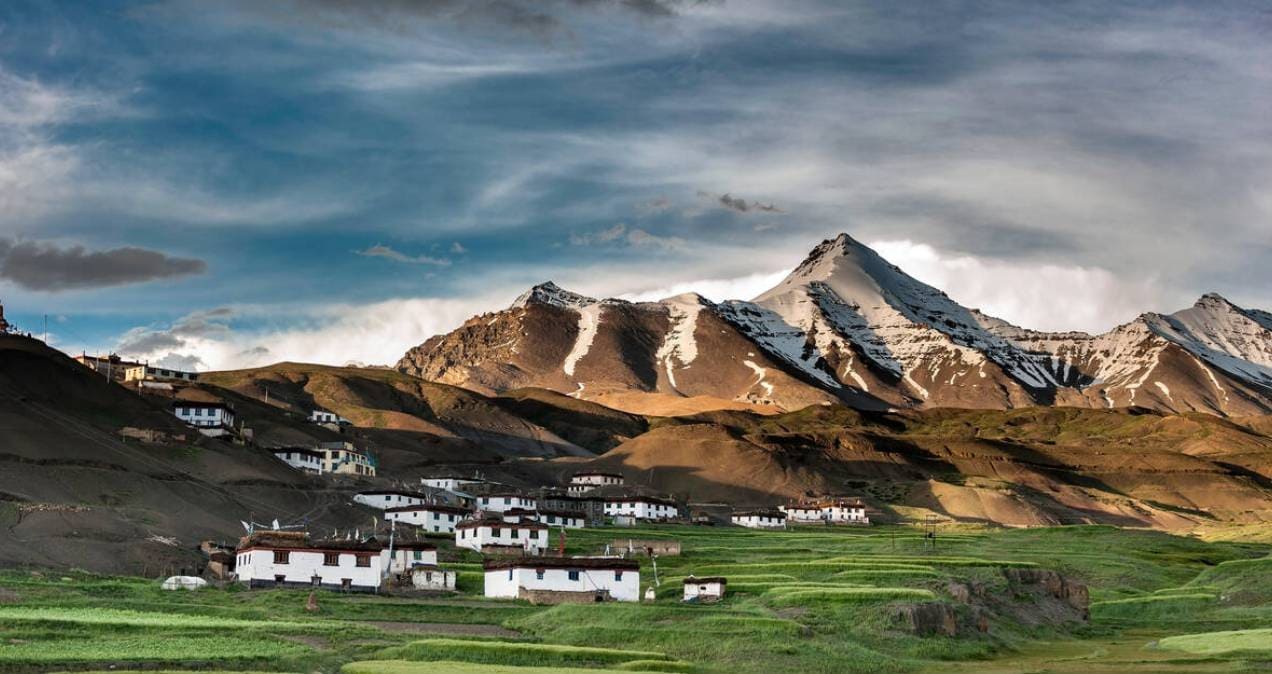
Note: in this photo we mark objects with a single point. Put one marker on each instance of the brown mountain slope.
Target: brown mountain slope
(72, 494)
(1021, 467)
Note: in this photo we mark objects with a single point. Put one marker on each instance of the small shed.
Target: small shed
(183, 583)
(709, 589)
(432, 577)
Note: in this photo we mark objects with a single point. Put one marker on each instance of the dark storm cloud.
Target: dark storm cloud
(37, 265)
(740, 205)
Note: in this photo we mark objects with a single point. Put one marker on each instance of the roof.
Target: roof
(499, 524)
(297, 450)
(413, 545)
(299, 540)
(692, 580)
(616, 563)
(429, 507)
(202, 404)
(597, 473)
(572, 514)
(760, 513)
(395, 492)
(506, 494)
(640, 499)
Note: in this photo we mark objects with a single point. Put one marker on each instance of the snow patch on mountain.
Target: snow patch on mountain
(679, 345)
(589, 322)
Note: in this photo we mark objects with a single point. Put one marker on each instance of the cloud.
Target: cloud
(44, 266)
(738, 204)
(716, 290)
(397, 256)
(458, 248)
(198, 325)
(634, 237)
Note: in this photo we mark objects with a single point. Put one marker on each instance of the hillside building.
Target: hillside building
(301, 458)
(584, 482)
(500, 501)
(554, 580)
(759, 519)
(341, 458)
(289, 559)
(452, 482)
(409, 554)
(140, 373)
(111, 367)
(426, 577)
(212, 419)
(827, 511)
(389, 498)
(429, 516)
(486, 535)
(323, 417)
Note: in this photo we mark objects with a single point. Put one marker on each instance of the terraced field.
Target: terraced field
(809, 600)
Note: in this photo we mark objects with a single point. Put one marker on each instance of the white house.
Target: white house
(425, 577)
(531, 537)
(760, 519)
(845, 511)
(211, 418)
(498, 503)
(828, 511)
(289, 559)
(704, 589)
(409, 554)
(557, 579)
(342, 458)
(390, 498)
(583, 482)
(802, 513)
(451, 482)
(429, 517)
(308, 460)
(641, 508)
(325, 417)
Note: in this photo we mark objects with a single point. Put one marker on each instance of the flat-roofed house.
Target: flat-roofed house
(111, 367)
(384, 499)
(342, 458)
(494, 534)
(408, 554)
(429, 516)
(802, 513)
(149, 373)
(290, 559)
(501, 501)
(641, 508)
(585, 481)
(827, 510)
(301, 458)
(211, 418)
(548, 580)
(759, 519)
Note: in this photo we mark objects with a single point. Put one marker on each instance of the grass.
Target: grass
(513, 653)
(1237, 642)
(813, 600)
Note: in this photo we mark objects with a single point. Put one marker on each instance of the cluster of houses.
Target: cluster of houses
(510, 529)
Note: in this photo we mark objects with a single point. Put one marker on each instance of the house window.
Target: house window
(419, 554)
(281, 556)
(618, 575)
(496, 532)
(331, 559)
(574, 574)
(346, 583)
(538, 574)
(509, 574)
(279, 580)
(364, 560)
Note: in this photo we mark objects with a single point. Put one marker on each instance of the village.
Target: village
(449, 515)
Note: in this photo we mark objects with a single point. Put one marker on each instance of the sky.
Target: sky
(220, 184)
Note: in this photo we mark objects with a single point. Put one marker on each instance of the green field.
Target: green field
(809, 600)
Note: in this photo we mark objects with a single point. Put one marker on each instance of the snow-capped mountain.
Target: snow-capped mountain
(847, 325)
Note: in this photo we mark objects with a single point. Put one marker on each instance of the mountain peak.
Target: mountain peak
(1213, 300)
(552, 294)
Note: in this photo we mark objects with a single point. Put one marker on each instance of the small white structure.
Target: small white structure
(709, 589)
(641, 508)
(425, 577)
(325, 417)
(147, 373)
(211, 418)
(497, 503)
(342, 458)
(300, 458)
(583, 482)
(429, 517)
(563, 579)
(560, 518)
(410, 554)
(389, 498)
(529, 536)
(184, 583)
(289, 559)
(760, 519)
(451, 482)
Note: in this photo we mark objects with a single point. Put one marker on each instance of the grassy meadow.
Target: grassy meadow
(809, 600)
